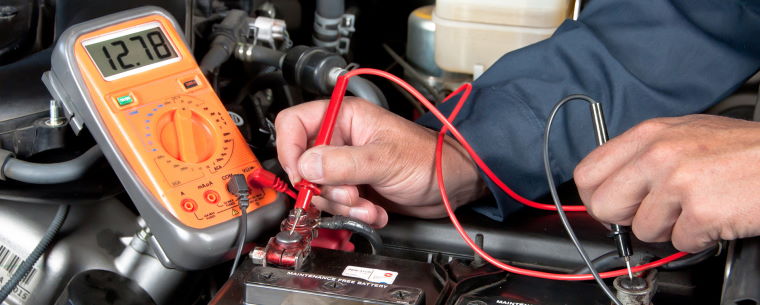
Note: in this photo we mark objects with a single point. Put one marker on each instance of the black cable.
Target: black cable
(239, 186)
(604, 262)
(51, 173)
(356, 226)
(555, 195)
(692, 259)
(41, 247)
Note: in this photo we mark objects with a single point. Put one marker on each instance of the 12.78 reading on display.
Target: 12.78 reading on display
(130, 51)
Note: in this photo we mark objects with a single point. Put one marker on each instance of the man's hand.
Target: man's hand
(693, 180)
(372, 147)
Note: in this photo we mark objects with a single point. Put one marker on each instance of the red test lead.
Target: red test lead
(325, 134)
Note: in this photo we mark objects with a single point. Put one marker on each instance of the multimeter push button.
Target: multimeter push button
(190, 83)
(124, 99)
(189, 205)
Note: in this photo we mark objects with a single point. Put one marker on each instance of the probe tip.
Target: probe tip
(295, 221)
(628, 266)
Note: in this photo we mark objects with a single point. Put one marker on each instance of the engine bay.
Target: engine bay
(159, 169)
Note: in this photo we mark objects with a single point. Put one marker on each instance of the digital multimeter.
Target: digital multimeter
(130, 79)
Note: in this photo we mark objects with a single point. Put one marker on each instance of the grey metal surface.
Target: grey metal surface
(420, 41)
(92, 237)
(184, 247)
(742, 275)
(639, 291)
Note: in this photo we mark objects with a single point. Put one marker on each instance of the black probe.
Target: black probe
(238, 186)
(621, 234)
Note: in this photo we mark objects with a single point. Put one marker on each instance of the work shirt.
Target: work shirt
(640, 58)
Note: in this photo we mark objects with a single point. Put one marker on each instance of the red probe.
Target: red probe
(306, 189)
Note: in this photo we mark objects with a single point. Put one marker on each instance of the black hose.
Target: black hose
(224, 41)
(331, 9)
(260, 82)
(356, 226)
(692, 259)
(41, 247)
(602, 263)
(363, 88)
(267, 56)
(51, 173)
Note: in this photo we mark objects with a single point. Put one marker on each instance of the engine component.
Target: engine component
(18, 19)
(249, 52)
(270, 30)
(47, 173)
(333, 27)
(420, 41)
(310, 68)
(226, 35)
(316, 70)
(470, 37)
(26, 266)
(26, 108)
(637, 290)
(97, 236)
(742, 274)
(100, 287)
(170, 140)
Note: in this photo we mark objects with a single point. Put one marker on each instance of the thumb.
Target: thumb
(343, 165)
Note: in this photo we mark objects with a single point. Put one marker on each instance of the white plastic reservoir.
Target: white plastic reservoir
(472, 34)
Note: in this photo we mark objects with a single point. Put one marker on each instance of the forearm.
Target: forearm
(640, 59)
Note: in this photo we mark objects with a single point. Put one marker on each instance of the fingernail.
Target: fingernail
(359, 213)
(311, 166)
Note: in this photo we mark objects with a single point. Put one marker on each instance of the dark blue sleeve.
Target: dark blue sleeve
(641, 59)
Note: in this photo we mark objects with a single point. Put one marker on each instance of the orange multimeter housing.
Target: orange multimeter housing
(137, 87)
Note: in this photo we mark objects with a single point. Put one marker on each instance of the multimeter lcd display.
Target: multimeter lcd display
(130, 51)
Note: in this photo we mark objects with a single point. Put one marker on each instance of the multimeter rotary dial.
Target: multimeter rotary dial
(186, 135)
(189, 135)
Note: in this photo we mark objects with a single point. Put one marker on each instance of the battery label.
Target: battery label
(370, 274)
(9, 264)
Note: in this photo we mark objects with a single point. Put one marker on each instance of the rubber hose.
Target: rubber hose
(692, 260)
(604, 262)
(268, 56)
(331, 9)
(51, 173)
(41, 247)
(214, 58)
(355, 226)
(223, 44)
(363, 88)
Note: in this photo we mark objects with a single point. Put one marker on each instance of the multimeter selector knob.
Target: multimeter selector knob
(186, 136)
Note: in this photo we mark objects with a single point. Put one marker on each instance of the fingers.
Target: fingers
(609, 158)
(344, 165)
(618, 197)
(362, 209)
(689, 236)
(294, 127)
(655, 218)
(345, 194)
